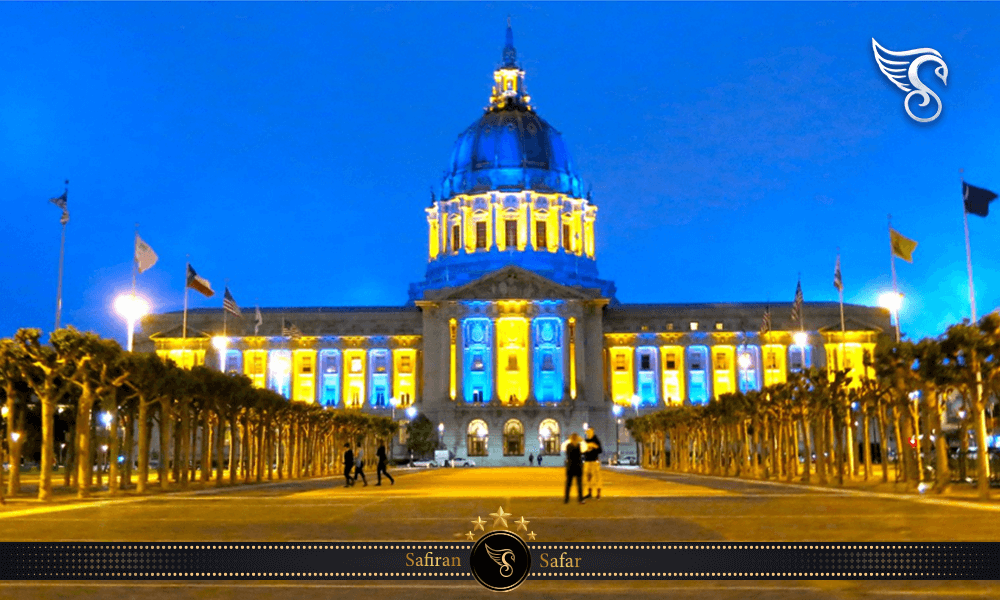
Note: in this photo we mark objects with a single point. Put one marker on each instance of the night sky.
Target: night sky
(291, 148)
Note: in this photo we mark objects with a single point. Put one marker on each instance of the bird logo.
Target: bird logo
(902, 69)
(500, 558)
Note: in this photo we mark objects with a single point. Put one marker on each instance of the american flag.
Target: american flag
(797, 307)
(229, 303)
(288, 329)
(838, 281)
(765, 324)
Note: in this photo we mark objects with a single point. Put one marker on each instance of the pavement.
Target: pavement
(439, 504)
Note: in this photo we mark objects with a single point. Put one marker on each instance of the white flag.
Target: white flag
(260, 321)
(144, 255)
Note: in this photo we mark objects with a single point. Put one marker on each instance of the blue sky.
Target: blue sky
(290, 147)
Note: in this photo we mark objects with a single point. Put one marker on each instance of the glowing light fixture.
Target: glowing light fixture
(801, 338)
(131, 308)
(411, 413)
(744, 361)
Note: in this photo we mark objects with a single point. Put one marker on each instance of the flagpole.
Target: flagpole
(802, 325)
(135, 257)
(895, 291)
(187, 267)
(843, 328)
(62, 255)
(968, 258)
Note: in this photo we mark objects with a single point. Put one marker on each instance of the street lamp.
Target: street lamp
(131, 308)
(892, 301)
(616, 410)
(441, 434)
(106, 419)
(411, 413)
(635, 403)
(220, 342)
(394, 401)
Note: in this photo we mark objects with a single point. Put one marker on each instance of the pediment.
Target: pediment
(177, 333)
(513, 283)
(850, 324)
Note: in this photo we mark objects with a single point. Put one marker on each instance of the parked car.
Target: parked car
(462, 462)
(424, 464)
(625, 461)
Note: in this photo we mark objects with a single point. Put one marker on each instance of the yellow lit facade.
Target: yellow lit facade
(672, 359)
(723, 370)
(255, 367)
(512, 360)
(775, 364)
(184, 359)
(404, 364)
(354, 378)
(622, 376)
(304, 376)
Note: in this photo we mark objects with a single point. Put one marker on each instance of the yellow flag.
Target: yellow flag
(902, 246)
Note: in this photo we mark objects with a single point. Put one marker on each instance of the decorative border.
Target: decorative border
(451, 561)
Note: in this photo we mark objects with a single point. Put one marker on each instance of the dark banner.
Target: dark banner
(454, 561)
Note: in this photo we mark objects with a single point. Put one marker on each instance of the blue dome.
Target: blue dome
(510, 149)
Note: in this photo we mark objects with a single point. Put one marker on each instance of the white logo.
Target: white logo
(500, 558)
(903, 73)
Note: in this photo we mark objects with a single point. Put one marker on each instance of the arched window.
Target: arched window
(513, 438)
(478, 438)
(548, 437)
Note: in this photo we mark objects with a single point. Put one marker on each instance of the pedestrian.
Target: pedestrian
(531, 459)
(348, 465)
(359, 467)
(574, 467)
(382, 462)
(592, 463)
(539, 459)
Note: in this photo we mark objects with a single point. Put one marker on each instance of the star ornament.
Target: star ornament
(478, 524)
(522, 524)
(500, 517)
(531, 536)
(470, 536)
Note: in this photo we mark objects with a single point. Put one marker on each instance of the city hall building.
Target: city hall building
(513, 341)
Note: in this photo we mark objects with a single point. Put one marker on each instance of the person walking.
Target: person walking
(383, 460)
(348, 465)
(539, 460)
(574, 467)
(531, 459)
(359, 467)
(592, 463)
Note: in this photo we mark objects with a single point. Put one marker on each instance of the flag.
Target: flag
(288, 329)
(199, 284)
(60, 201)
(902, 246)
(65, 217)
(765, 324)
(259, 322)
(144, 255)
(977, 200)
(229, 303)
(838, 281)
(797, 306)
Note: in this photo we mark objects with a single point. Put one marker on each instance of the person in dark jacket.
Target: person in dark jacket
(359, 468)
(348, 465)
(592, 464)
(383, 460)
(574, 466)
(531, 459)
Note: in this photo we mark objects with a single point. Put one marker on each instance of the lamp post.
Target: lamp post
(441, 435)
(744, 363)
(893, 301)
(394, 401)
(131, 308)
(220, 342)
(616, 410)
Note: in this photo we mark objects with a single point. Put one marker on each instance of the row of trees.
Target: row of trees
(209, 422)
(810, 425)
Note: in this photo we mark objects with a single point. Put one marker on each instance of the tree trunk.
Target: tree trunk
(48, 439)
(144, 431)
(128, 420)
(220, 442)
(114, 448)
(982, 451)
(883, 444)
(206, 446)
(184, 442)
(234, 432)
(942, 470)
(166, 421)
(819, 440)
(85, 460)
(867, 434)
(13, 416)
(849, 440)
(901, 454)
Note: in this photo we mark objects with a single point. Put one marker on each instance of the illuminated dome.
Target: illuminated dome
(511, 148)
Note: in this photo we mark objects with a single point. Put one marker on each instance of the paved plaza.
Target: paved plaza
(439, 504)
